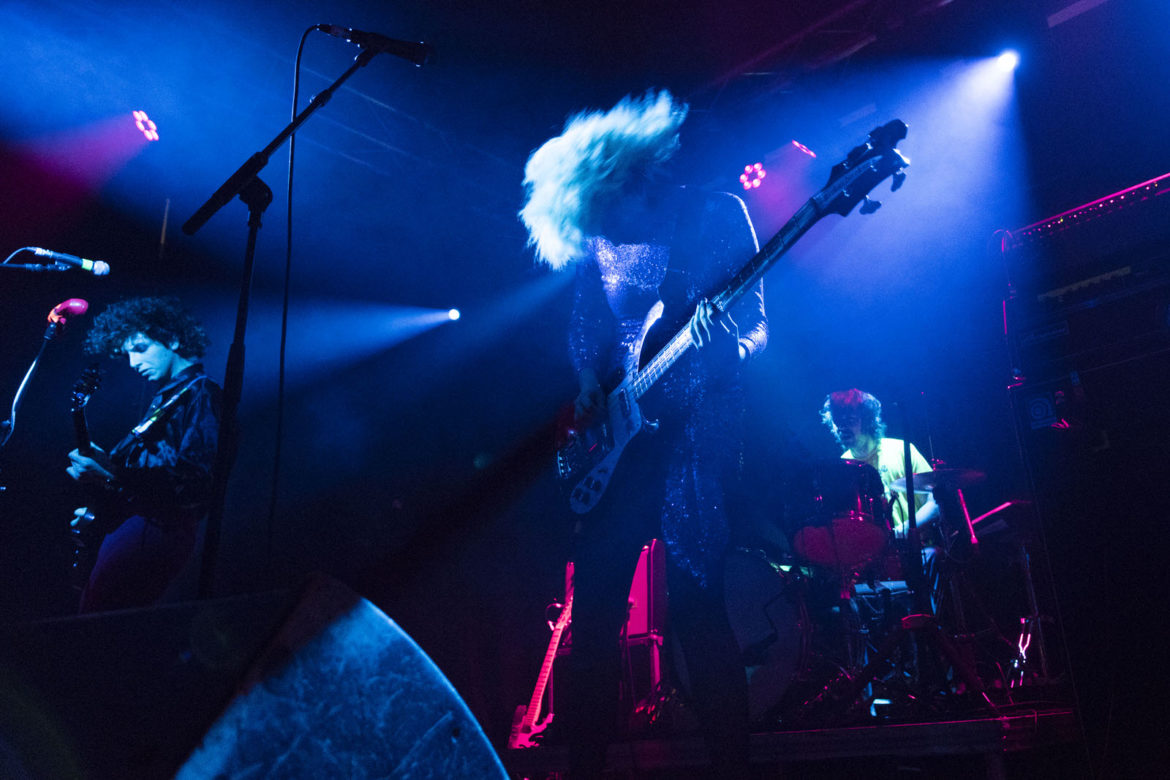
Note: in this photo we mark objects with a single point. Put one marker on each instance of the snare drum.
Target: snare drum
(839, 516)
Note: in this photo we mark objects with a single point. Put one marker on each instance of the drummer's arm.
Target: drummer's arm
(927, 513)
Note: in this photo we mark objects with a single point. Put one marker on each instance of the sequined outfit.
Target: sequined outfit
(162, 482)
(669, 483)
(701, 403)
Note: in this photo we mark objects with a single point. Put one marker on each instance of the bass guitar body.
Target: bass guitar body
(590, 453)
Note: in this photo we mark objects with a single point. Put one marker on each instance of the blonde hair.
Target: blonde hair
(570, 177)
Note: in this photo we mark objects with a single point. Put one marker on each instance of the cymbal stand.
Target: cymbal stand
(1031, 646)
(951, 502)
(1031, 627)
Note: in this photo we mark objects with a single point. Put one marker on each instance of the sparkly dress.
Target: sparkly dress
(699, 402)
(669, 483)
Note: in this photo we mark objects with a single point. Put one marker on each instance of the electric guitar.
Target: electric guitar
(85, 535)
(79, 398)
(526, 726)
(588, 456)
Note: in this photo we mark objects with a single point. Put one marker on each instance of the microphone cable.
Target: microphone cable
(280, 372)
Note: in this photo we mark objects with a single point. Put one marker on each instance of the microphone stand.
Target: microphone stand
(924, 624)
(256, 195)
(8, 426)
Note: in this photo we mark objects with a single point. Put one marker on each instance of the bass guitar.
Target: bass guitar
(586, 460)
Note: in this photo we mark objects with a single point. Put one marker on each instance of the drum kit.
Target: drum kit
(847, 625)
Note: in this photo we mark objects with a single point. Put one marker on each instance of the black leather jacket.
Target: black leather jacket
(163, 467)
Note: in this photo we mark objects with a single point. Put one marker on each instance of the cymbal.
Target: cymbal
(947, 478)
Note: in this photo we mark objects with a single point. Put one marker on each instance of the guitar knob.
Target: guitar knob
(897, 180)
(869, 206)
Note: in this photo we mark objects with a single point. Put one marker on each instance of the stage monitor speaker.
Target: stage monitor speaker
(318, 683)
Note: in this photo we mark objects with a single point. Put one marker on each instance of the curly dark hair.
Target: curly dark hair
(865, 405)
(161, 318)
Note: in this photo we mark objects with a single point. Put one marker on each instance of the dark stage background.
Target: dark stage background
(414, 462)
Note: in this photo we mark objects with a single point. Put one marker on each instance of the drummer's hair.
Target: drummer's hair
(865, 405)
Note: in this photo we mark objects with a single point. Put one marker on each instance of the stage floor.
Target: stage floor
(1021, 744)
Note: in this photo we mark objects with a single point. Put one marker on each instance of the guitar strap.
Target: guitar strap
(163, 408)
(677, 291)
(138, 431)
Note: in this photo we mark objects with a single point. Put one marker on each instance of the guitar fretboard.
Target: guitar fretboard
(736, 289)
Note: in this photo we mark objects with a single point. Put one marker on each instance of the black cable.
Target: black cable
(279, 434)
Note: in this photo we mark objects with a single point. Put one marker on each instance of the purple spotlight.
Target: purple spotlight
(1008, 61)
(453, 314)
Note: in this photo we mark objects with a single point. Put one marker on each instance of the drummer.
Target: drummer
(855, 418)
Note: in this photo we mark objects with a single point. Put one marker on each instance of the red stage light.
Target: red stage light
(146, 126)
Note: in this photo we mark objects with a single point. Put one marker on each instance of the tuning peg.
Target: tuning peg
(869, 206)
(897, 180)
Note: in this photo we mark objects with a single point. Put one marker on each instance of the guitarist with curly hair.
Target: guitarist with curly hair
(156, 481)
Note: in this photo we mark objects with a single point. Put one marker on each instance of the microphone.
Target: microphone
(418, 53)
(74, 307)
(95, 267)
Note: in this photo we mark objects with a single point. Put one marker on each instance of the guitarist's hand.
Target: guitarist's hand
(591, 400)
(716, 332)
(94, 469)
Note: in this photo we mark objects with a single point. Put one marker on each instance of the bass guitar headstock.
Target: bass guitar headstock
(866, 166)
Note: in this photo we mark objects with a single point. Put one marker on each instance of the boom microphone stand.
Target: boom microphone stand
(256, 195)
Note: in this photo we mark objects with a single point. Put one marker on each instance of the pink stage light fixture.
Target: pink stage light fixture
(803, 148)
(145, 126)
(752, 176)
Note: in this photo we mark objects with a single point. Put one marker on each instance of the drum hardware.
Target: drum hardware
(916, 647)
(1031, 648)
(836, 700)
(929, 481)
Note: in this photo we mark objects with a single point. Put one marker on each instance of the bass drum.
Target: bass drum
(836, 514)
(766, 609)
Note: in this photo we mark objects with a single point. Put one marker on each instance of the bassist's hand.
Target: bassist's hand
(85, 468)
(715, 332)
(591, 400)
